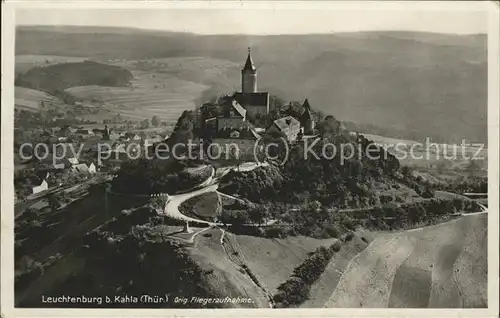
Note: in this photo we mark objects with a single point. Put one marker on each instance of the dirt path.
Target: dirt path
(234, 254)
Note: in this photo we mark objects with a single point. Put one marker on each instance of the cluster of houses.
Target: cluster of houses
(235, 123)
(74, 152)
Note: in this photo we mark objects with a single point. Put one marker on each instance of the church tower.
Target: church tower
(249, 76)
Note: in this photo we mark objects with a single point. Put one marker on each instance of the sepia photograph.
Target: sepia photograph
(239, 155)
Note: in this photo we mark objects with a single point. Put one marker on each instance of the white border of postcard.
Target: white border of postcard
(7, 191)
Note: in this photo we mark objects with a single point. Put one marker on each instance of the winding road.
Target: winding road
(209, 185)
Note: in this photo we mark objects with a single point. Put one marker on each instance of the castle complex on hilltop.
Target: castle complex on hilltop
(232, 119)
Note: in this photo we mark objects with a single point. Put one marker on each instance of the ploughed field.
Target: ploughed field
(442, 266)
(29, 99)
(149, 94)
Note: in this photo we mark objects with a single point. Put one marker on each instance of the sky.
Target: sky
(261, 21)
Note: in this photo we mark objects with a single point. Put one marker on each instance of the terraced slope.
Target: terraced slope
(443, 266)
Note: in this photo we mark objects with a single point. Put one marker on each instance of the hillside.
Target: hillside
(418, 84)
(443, 266)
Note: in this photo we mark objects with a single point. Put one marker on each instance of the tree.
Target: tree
(258, 214)
(144, 124)
(472, 167)
(406, 171)
(155, 121)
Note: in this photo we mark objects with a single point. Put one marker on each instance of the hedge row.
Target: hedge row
(295, 290)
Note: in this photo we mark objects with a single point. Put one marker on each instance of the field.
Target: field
(433, 156)
(273, 260)
(149, 94)
(226, 278)
(29, 99)
(162, 87)
(326, 284)
(438, 267)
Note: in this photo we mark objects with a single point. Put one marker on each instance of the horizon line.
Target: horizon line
(241, 34)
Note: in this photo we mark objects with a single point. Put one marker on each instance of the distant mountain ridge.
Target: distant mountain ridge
(427, 82)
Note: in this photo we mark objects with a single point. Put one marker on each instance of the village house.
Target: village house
(66, 131)
(84, 133)
(92, 168)
(95, 145)
(84, 170)
(130, 136)
(39, 185)
(72, 161)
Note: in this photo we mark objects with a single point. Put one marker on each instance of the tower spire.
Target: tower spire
(249, 66)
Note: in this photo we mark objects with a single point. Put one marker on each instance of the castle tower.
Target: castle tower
(307, 119)
(249, 76)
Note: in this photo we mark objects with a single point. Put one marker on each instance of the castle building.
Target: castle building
(307, 119)
(256, 103)
(234, 115)
(236, 143)
(288, 125)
